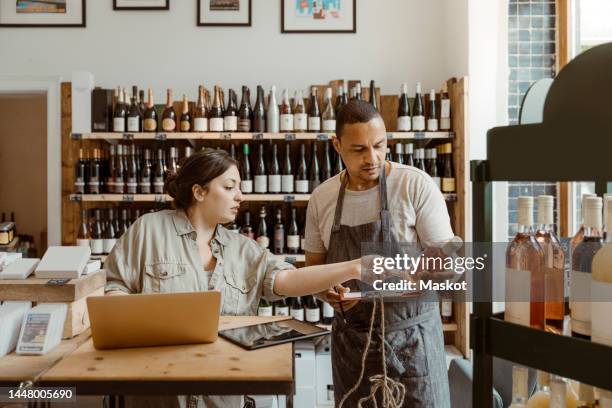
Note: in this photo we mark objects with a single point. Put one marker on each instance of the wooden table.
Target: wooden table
(220, 368)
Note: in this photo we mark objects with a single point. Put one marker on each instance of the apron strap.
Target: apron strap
(385, 216)
(340, 203)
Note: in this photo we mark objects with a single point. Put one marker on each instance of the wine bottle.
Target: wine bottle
(293, 234)
(601, 287)
(131, 182)
(200, 120)
(558, 391)
(83, 236)
(150, 116)
(340, 98)
(420, 155)
(519, 387)
(246, 182)
(93, 182)
(446, 308)
(445, 111)
(110, 171)
(286, 116)
(273, 114)
(261, 178)
(124, 222)
(373, 101)
(358, 91)
(216, 113)
(418, 111)
(327, 313)
(314, 114)
(399, 153)
(586, 396)
(579, 236)
(432, 121)
(232, 226)
(109, 239)
(313, 312)
(281, 308)
(172, 167)
(274, 174)
(554, 264)
(287, 176)
(300, 117)
(329, 116)
(448, 176)
(582, 260)
(279, 233)
(404, 121)
(80, 173)
(338, 165)
(297, 308)
(326, 168)
(230, 118)
(185, 121)
(541, 397)
(159, 173)
(96, 243)
(388, 154)
(264, 308)
(169, 115)
(259, 112)
(432, 168)
(525, 288)
(247, 228)
(314, 179)
(146, 173)
(301, 178)
(141, 102)
(134, 117)
(262, 230)
(245, 113)
(119, 114)
(409, 154)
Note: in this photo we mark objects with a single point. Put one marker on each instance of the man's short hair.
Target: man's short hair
(355, 111)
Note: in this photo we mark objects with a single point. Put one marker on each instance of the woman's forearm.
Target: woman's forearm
(315, 279)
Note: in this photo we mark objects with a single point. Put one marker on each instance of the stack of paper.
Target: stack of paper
(42, 328)
(63, 262)
(11, 319)
(7, 258)
(20, 269)
(92, 266)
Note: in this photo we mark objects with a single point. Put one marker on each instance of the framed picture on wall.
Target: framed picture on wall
(224, 13)
(319, 16)
(141, 4)
(42, 13)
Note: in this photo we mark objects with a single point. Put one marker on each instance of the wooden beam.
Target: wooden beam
(563, 57)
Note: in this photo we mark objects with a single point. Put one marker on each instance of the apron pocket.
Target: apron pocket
(164, 277)
(406, 352)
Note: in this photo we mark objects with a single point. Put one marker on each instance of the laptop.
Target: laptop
(148, 320)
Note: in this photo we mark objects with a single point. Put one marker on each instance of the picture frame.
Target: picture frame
(318, 16)
(39, 14)
(136, 5)
(224, 13)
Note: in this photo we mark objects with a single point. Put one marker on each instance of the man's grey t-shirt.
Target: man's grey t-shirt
(418, 209)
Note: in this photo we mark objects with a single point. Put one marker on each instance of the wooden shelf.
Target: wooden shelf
(297, 258)
(246, 136)
(163, 198)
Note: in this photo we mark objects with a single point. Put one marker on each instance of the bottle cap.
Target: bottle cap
(545, 209)
(398, 148)
(525, 211)
(592, 212)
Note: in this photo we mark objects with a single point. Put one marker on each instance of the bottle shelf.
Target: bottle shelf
(291, 258)
(161, 136)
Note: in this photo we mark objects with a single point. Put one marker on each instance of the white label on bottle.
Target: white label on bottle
(300, 122)
(200, 124)
(281, 311)
(293, 241)
(301, 186)
(287, 183)
(97, 246)
(274, 183)
(264, 311)
(261, 184)
(418, 123)
(328, 310)
(83, 242)
(230, 123)
(133, 124)
(329, 125)
(158, 185)
(216, 124)
(448, 185)
(272, 123)
(108, 244)
(263, 241)
(447, 308)
(438, 181)
(580, 302)
(246, 186)
(297, 314)
(303, 243)
(445, 108)
(314, 123)
(518, 286)
(445, 123)
(404, 124)
(132, 186)
(601, 310)
(286, 123)
(150, 124)
(118, 124)
(145, 187)
(432, 125)
(168, 125)
(313, 315)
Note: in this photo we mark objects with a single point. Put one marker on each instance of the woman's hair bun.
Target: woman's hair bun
(171, 185)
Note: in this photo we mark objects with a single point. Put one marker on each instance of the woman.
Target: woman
(188, 249)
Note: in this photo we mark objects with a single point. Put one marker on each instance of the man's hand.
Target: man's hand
(334, 297)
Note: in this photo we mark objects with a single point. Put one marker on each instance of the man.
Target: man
(365, 204)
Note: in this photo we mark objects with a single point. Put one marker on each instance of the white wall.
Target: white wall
(396, 41)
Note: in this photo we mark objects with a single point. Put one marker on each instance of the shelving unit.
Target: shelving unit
(456, 334)
(543, 152)
(291, 258)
